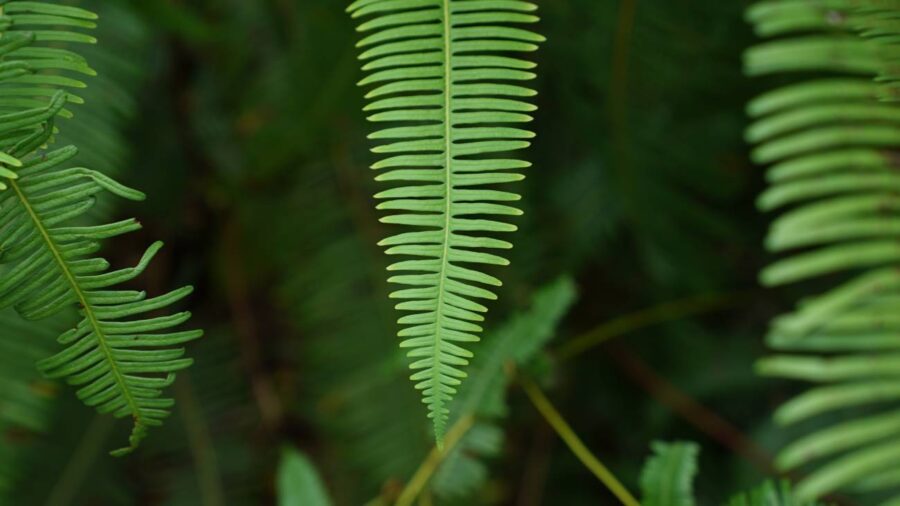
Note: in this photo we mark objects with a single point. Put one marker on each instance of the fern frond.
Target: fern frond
(33, 68)
(454, 102)
(667, 478)
(24, 396)
(119, 358)
(120, 363)
(35, 63)
(832, 145)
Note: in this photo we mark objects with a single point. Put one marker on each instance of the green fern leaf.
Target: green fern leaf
(119, 359)
(119, 363)
(35, 64)
(831, 141)
(299, 484)
(33, 68)
(25, 400)
(668, 476)
(454, 104)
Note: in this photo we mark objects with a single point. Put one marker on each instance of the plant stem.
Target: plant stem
(82, 459)
(559, 424)
(662, 313)
(433, 461)
(202, 449)
(707, 421)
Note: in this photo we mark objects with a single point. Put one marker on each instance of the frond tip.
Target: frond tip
(454, 102)
(119, 362)
(119, 359)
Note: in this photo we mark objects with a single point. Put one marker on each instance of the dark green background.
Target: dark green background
(246, 131)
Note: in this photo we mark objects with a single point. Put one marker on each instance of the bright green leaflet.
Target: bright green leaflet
(444, 81)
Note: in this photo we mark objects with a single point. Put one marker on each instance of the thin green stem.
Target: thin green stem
(662, 313)
(433, 461)
(201, 444)
(65, 491)
(565, 432)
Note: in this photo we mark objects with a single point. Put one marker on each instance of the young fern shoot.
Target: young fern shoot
(447, 86)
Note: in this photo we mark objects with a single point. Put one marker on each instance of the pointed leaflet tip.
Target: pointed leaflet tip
(9, 160)
(113, 186)
(138, 433)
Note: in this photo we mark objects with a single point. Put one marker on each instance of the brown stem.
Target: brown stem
(244, 321)
(705, 420)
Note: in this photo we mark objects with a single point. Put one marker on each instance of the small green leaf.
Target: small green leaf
(668, 476)
(299, 483)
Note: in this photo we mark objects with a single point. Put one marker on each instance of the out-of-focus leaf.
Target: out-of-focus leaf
(516, 342)
(668, 476)
(299, 483)
(770, 494)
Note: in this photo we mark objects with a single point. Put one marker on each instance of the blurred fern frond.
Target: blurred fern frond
(121, 63)
(34, 69)
(667, 478)
(454, 106)
(119, 364)
(832, 146)
(770, 494)
(203, 454)
(299, 483)
(352, 373)
(25, 399)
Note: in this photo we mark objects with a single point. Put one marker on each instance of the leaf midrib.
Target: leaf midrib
(448, 158)
(82, 299)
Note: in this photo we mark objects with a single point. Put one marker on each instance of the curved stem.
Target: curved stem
(662, 313)
(81, 461)
(549, 412)
(433, 461)
(202, 449)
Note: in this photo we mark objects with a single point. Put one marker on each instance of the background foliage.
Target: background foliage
(240, 119)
